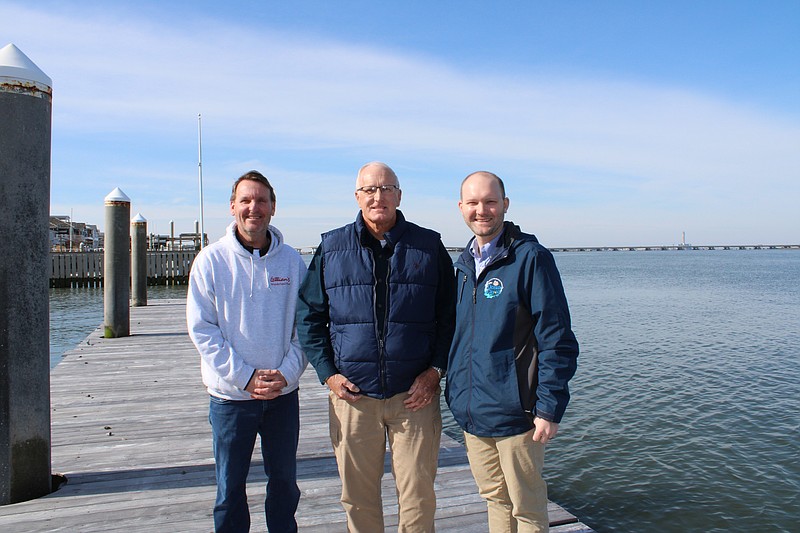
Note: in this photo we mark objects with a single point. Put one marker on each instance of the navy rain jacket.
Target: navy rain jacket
(514, 350)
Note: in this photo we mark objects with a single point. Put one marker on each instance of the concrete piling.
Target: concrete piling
(138, 261)
(117, 266)
(25, 140)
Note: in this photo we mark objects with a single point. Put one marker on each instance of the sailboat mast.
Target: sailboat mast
(200, 177)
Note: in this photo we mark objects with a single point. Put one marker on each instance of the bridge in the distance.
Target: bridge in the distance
(676, 247)
(660, 247)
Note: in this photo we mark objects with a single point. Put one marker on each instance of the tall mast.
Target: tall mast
(200, 177)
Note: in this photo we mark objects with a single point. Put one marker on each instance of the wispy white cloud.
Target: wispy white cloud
(629, 159)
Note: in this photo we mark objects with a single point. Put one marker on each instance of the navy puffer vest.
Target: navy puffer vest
(384, 367)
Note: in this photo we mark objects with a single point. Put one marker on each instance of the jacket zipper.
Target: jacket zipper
(378, 337)
(472, 326)
(471, 340)
(382, 340)
(472, 346)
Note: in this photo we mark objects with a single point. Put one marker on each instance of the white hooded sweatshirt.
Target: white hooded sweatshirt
(240, 313)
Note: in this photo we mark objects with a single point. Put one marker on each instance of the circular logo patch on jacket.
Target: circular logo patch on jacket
(493, 288)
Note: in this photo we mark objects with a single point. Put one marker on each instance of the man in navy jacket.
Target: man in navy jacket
(375, 317)
(512, 355)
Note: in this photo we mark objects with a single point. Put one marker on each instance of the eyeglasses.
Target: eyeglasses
(370, 190)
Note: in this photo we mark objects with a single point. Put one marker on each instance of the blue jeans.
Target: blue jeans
(234, 425)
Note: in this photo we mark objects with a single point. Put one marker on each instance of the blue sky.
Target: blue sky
(612, 123)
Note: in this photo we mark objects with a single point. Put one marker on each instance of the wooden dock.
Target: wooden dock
(130, 432)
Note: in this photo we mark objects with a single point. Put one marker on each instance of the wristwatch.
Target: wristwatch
(442, 372)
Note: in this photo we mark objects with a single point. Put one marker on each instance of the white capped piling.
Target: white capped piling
(117, 266)
(138, 261)
(25, 127)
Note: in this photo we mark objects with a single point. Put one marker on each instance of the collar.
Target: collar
(261, 251)
(487, 250)
(392, 236)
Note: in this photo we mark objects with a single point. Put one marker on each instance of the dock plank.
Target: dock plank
(130, 432)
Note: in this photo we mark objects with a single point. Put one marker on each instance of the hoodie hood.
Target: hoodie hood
(230, 240)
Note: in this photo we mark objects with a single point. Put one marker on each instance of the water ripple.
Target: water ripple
(686, 405)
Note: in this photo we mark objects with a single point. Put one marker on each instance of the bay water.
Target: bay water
(685, 410)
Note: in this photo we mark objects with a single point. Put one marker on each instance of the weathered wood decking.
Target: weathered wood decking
(130, 432)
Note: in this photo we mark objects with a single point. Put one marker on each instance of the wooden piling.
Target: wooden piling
(25, 136)
(117, 265)
(138, 260)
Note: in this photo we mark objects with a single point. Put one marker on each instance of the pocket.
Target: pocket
(336, 344)
(502, 365)
(220, 401)
(334, 426)
(504, 378)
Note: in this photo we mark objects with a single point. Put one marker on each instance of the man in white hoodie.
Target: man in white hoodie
(240, 314)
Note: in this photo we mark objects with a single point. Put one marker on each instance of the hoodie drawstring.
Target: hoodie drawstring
(252, 275)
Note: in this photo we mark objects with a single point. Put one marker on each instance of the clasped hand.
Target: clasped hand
(266, 384)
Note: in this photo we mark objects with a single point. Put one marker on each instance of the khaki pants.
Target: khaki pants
(359, 432)
(508, 471)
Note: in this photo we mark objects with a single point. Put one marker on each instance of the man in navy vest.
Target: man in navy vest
(375, 317)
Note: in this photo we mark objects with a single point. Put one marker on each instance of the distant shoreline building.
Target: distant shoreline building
(66, 235)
